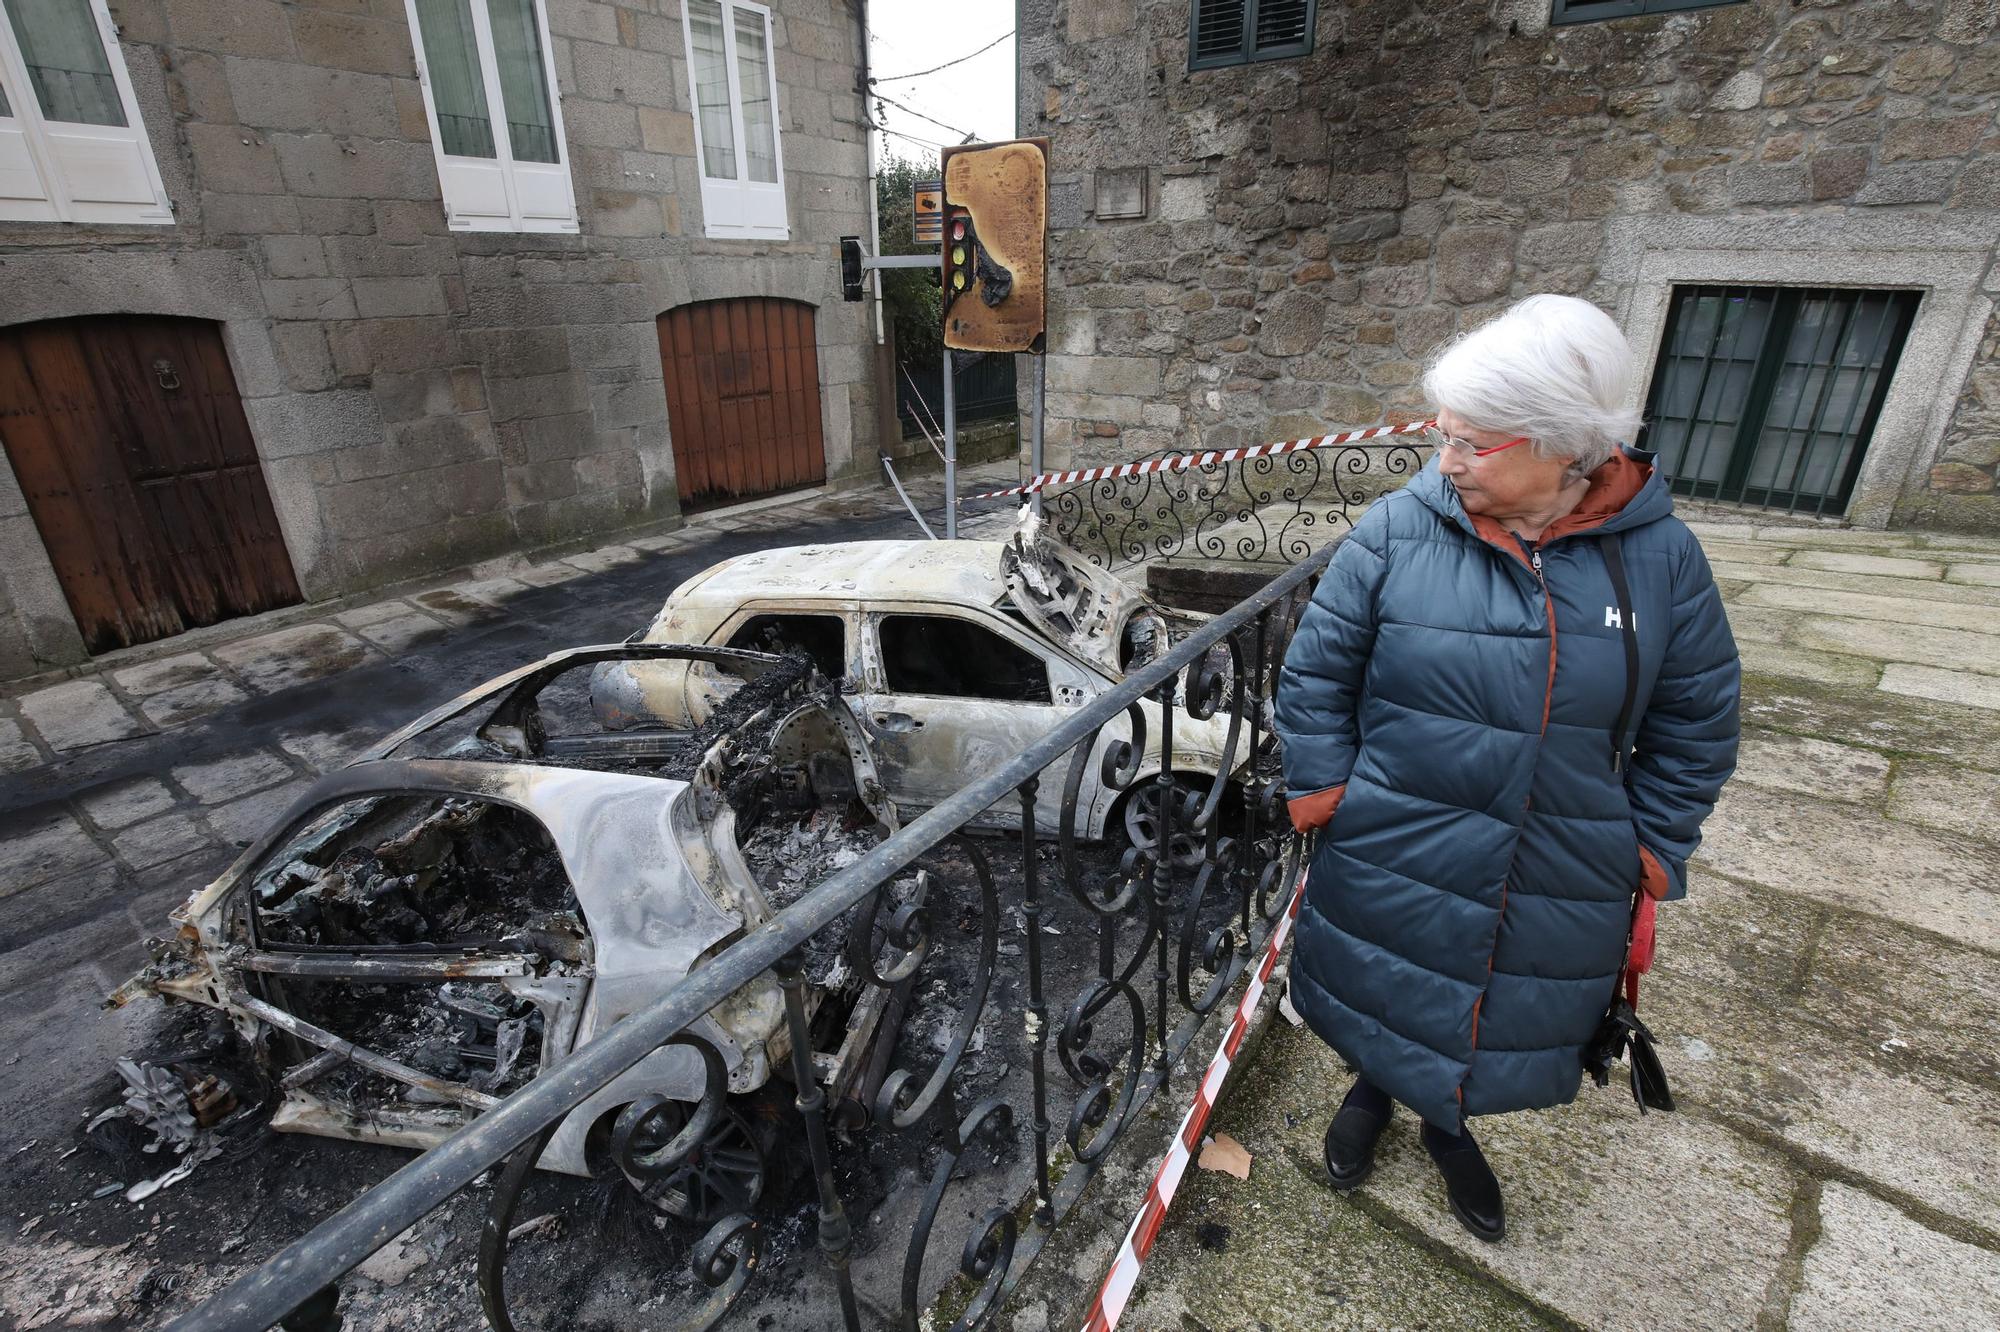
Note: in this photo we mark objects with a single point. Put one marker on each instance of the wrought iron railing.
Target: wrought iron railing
(1099, 961)
(1270, 509)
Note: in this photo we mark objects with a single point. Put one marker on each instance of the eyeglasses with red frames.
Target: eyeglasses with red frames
(1438, 439)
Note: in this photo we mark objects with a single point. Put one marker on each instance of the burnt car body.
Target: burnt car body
(492, 887)
(953, 656)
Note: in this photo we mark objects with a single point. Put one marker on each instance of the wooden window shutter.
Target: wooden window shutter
(1284, 27)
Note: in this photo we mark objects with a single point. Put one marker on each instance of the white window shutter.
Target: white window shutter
(498, 192)
(53, 165)
(734, 204)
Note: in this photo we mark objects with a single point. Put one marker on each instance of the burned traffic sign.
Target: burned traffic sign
(995, 244)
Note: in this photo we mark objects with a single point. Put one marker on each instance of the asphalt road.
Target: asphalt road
(100, 879)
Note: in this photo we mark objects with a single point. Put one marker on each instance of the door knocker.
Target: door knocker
(163, 370)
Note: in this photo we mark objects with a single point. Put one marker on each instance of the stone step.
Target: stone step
(1821, 667)
(1896, 610)
(1806, 766)
(1978, 691)
(1876, 1268)
(1959, 650)
(1843, 1037)
(1939, 729)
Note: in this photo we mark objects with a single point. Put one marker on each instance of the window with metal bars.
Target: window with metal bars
(1596, 11)
(1768, 395)
(1236, 32)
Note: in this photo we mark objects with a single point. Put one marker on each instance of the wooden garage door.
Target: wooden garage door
(133, 452)
(742, 398)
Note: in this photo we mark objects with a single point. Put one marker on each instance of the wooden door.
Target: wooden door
(742, 398)
(131, 447)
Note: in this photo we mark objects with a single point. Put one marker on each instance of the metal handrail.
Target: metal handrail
(336, 1245)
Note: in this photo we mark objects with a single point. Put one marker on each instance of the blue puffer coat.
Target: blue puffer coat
(1468, 907)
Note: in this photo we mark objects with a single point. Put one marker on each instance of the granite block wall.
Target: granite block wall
(1316, 226)
(424, 398)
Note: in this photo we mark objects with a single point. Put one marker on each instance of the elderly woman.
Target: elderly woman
(1510, 706)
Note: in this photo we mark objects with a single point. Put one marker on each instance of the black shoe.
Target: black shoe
(1468, 1183)
(1351, 1137)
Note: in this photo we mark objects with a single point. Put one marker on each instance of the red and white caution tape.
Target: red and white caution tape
(1145, 1227)
(1182, 461)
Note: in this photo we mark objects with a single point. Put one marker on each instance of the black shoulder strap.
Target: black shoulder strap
(1614, 562)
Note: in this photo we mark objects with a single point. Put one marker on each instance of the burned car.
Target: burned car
(497, 884)
(953, 656)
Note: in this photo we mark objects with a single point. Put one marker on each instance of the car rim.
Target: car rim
(1142, 823)
(725, 1174)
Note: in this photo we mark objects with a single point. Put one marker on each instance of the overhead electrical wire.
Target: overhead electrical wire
(921, 143)
(898, 78)
(875, 123)
(969, 135)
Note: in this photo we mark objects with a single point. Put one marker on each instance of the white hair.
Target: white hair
(1553, 368)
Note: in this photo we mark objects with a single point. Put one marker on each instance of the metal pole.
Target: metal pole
(874, 201)
(950, 451)
(1035, 427)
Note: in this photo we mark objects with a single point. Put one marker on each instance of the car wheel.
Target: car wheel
(1142, 819)
(727, 1173)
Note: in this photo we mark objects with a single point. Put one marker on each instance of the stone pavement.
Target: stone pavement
(1826, 1001)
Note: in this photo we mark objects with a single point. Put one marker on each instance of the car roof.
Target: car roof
(964, 573)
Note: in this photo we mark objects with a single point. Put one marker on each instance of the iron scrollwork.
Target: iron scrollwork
(721, 1260)
(1275, 508)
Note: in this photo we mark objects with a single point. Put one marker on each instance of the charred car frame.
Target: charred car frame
(952, 656)
(422, 932)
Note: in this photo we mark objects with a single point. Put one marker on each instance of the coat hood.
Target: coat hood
(1626, 492)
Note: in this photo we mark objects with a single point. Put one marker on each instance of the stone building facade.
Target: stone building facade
(1311, 227)
(421, 396)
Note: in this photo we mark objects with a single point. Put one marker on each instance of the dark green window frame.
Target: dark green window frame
(1261, 30)
(1768, 396)
(1597, 11)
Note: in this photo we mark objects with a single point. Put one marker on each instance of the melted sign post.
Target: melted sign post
(995, 245)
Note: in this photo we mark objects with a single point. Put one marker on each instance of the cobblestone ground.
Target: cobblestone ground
(1825, 1001)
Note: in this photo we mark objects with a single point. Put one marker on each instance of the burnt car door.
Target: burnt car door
(951, 695)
